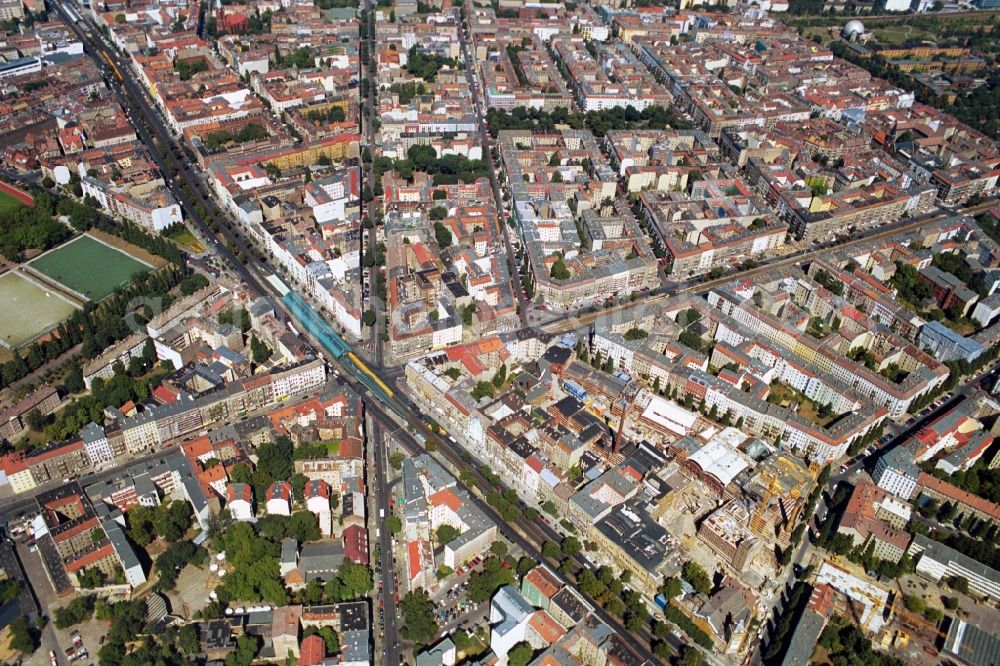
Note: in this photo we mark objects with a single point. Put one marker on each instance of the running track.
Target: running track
(20, 195)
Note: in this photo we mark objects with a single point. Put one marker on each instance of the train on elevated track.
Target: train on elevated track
(313, 324)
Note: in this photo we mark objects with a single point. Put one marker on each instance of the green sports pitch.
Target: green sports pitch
(88, 267)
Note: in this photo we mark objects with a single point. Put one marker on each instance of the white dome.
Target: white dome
(853, 29)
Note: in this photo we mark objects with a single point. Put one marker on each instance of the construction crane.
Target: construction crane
(772, 488)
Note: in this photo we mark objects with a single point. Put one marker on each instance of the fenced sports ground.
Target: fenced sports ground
(29, 309)
(88, 267)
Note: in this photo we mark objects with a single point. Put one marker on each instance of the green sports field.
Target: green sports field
(29, 310)
(8, 203)
(88, 267)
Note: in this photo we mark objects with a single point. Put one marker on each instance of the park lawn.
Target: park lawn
(183, 235)
(809, 410)
(780, 394)
(896, 34)
(8, 203)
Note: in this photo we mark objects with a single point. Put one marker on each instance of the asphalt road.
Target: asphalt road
(25, 502)
(387, 573)
(487, 145)
(526, 534)
(581, 317)
(367, 175)
(350, 376)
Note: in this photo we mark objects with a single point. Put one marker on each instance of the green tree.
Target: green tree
(570, 546)
(500, 376)
(187, 640)
(914, 604)
(524, 565)
(959, 584)
(483, 390)
(520, 654)
(393, 524)
(246, 650)
(694, 574)
(299, 482)
(140, 525)
(355, 580)
(483, 584)
(172, 520)
(419, 624)
(690, 339)
(76, 611)
(24, 638)
(92, 577)
(446, 534)
(74, 379)
(259, 350)
(442, 235)
(671, 588)
(559, 270)
(689, 656)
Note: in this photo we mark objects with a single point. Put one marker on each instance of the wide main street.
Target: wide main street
(390, 411)
(396, 414)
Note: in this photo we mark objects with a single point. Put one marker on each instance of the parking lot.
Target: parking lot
(58, 640)
(454, 610)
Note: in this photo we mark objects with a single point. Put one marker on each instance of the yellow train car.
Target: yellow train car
(364, 368)
(112, 65)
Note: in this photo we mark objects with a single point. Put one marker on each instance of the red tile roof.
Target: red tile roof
(312, 650)
(231, 493)
(413, 552)
(543, 581)
(546, 627)
(90, 558)
(958, 495)
(446, 497)
(165, 395)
